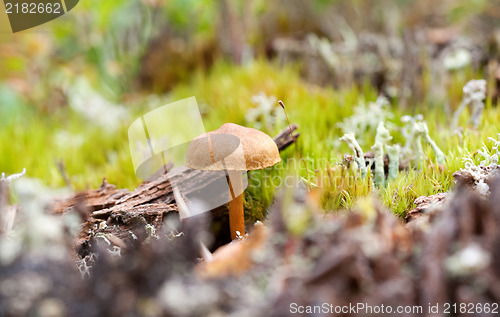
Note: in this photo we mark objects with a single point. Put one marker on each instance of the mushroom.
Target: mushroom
(234, 149)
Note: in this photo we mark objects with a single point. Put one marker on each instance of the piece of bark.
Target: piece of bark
(464, 178)
(284, 138)
(423, 203)
(105, 196)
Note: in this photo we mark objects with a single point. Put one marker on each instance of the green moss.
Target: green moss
(30, 140)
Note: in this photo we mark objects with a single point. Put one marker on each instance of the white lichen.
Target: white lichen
(266, 113)
(36, 231)
(415, 131)
(12, 177)
(457, 59)
(84, 265)
(117, 251)
(482, 188)
(182, 298)
(409, 132)
(366, 118)
(102, 225)
(379, 175)
(359, 156)
(485, 169)
(469, 260)
(151, 230)
(104, 237)
(86, 101)
(393, 153)
(474, 92)
(324, 48)
(423, 132)
(382, 141)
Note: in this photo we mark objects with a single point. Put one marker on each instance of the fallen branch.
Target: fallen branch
(122, 210)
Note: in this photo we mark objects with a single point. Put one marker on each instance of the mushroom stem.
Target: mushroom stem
(236, 214)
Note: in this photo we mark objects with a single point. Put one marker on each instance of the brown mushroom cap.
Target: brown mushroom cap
(232, 147)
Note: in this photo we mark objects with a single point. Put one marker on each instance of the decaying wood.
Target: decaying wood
(423, 204)
(123, 210)
(105, 196)
(487, 174)
(464, 178)
(284, 138)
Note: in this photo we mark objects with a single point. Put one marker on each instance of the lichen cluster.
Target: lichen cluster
(479, 175)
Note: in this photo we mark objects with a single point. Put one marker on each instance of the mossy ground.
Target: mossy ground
(29, 138)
